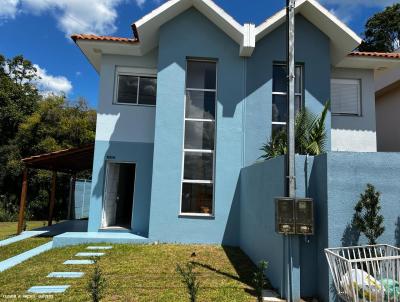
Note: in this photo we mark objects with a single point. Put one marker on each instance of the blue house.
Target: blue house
(184, 108)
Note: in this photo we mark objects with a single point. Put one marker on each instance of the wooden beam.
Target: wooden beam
(71, 195)
(22, 203)
(52, 198)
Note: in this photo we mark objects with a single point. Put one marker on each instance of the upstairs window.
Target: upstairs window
(279, 95)
(135, 88)
(346, 97)
(199, 139)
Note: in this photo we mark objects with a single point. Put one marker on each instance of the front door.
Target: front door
(118, 195)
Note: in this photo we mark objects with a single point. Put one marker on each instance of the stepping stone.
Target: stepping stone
(99, 247)
(89, 254)
(52, 289)
(79, 262)
(65, 275)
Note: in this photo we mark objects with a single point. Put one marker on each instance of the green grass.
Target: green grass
(19, 247)
(140, 273)
(8, 229)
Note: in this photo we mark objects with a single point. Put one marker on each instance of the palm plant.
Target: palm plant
(310, 135)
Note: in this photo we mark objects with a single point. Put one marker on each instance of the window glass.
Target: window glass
(199, 135)
(198, 165)
(197, 198)
(147, 91)
(201, 75)
(127, 89)
(279, 108)
(200, 104)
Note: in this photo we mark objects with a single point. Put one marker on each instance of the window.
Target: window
(346, 96)
(279, 95)
(199, 138)
(135, 89)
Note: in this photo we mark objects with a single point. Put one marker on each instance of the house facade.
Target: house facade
(186, 105)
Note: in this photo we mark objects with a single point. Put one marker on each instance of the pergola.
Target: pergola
(71, 161)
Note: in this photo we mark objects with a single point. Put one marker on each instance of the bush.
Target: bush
(189, 279)
(259, 280)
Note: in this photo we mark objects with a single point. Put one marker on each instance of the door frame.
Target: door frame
(115, 161)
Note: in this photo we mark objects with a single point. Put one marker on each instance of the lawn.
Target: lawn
(8, 229)
(19, 247)
(140, 273)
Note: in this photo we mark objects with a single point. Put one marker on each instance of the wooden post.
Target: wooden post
(22, 203)
(52, 198)
(71, 195)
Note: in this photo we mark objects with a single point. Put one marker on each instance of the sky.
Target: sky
(40, 30)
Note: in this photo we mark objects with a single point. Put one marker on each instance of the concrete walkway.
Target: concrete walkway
(22, 236)
(13, 261)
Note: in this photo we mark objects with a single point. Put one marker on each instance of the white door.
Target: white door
(110, 194)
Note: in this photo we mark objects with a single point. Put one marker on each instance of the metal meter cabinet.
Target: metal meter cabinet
(285, 215)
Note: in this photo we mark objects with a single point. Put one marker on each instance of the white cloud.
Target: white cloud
(8, 9)
(49, 84)
(73, 16)
(345, 9)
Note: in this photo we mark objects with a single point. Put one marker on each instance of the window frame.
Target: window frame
(359, 114)
(301, 94)
(135, 72)
(184, 150)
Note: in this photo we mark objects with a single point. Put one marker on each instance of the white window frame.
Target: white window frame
(212, 181)
(359, 103)
(136, 72)
(300, 94)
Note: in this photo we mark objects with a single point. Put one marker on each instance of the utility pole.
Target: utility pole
(291, 180)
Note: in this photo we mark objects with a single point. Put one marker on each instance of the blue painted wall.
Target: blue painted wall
(191, 34)
(142, 155)
(313, 50)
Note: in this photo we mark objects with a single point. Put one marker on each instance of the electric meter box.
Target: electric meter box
(285, 215)
(304, 213)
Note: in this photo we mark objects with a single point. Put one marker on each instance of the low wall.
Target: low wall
(335, 182)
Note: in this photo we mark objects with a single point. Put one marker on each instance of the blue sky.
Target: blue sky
(40, 29)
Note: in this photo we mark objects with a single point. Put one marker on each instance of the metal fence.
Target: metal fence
(366, 273)
(82, 198)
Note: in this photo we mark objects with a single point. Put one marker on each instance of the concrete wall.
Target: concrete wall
(191, 34)
(272, 48)
(356, 133)
(387, 119)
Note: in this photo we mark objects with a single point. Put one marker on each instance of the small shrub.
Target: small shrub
(96, 283)
(367, 218)
(189, 279)
(259, 280)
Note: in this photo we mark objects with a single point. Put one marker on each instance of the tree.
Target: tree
(310, 135)
(189, 279)
(382, 31)
(367, 218)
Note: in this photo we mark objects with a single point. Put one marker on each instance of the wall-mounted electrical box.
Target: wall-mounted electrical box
(304, 216)
(285, 216)
(294, 216)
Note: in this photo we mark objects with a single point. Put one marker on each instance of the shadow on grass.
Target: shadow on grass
(243, 266)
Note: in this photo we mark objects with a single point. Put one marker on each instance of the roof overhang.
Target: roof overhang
(378, 62)
(342, 39)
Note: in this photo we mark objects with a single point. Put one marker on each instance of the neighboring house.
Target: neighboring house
(187, 103)
(387, 94)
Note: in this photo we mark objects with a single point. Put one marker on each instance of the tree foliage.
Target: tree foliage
(32, 124)
(382, 31)
(367, 218)
(310, 135)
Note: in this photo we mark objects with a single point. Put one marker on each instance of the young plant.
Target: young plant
(96, 283)
(259, 280)
(189, 279)
(367, 218)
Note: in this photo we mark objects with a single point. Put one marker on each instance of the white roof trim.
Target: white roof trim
(148, 26)
(343, 39)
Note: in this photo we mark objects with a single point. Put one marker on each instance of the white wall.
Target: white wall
(124, 123)
(356, 133)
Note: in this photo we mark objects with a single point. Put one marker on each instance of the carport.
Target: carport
(70, 161)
